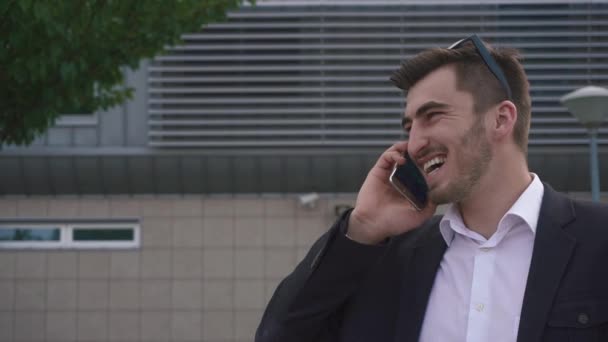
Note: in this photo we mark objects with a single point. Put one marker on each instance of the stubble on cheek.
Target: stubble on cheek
(470, 162)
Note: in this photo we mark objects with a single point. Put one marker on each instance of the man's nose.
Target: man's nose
(417, 141)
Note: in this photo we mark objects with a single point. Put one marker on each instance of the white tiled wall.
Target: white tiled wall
(205, 271)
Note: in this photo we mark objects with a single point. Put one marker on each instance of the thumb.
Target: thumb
(429, 209)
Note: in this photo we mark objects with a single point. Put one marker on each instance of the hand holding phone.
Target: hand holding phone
(381, 211)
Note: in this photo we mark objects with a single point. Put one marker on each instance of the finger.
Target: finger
(388, 159)
(430, 208)
(400, 146)
(396, 157)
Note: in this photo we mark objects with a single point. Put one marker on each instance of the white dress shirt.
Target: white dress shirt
(479, 287)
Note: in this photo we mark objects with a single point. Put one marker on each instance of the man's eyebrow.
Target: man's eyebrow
(423, 109)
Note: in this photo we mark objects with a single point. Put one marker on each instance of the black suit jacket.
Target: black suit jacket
(345, 291)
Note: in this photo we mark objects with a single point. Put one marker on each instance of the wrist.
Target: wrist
(361, 230)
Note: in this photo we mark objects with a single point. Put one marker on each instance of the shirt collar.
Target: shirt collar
(528, 204)
(526, 208)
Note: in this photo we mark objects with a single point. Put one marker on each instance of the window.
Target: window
(69, 235)
(30, 235)
(103, 235)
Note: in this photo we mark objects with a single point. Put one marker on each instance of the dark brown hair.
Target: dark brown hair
(474, 76)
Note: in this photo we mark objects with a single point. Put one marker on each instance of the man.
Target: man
(511, 259)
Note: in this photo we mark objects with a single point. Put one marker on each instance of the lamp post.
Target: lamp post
(589, 105)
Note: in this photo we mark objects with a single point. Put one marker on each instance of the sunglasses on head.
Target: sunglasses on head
(487, 59)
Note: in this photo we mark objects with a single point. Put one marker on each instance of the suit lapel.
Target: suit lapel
(416, 284)
(553, 248)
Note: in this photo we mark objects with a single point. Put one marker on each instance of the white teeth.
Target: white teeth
(434, 161)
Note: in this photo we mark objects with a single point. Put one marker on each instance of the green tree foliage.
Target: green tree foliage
(56, 55)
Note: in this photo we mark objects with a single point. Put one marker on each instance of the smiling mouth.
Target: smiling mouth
(433, 165)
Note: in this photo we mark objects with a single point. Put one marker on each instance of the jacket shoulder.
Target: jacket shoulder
(591, 217)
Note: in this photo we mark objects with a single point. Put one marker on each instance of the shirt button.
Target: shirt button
(484, 249)
(479, 307)
(583, 318)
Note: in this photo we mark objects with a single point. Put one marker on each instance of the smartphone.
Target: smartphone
(409, 181)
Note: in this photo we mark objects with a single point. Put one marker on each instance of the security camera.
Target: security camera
(309, 200)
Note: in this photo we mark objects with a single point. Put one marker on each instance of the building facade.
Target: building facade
(190, 197)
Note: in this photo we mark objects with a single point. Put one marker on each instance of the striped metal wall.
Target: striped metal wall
(317, 75)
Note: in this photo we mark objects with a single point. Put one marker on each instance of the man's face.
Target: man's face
(447, 140)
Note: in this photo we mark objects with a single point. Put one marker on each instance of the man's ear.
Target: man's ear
(504, 119)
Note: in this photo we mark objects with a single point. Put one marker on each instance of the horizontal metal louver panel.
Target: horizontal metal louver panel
(318, 75)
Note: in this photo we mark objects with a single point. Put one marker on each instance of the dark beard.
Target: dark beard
(477, 158)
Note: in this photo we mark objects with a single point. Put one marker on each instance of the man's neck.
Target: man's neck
(495, 194)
